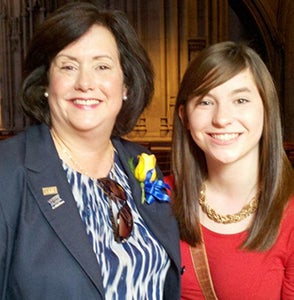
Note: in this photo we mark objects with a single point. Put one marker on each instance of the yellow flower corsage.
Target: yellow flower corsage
(145, 172)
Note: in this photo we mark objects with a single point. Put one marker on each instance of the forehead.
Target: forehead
(97, 40)
(243, 79)
(241, 82)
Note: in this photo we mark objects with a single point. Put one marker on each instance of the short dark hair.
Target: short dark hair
(68, 24)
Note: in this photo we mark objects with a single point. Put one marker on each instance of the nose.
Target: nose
(223, 115)
(84, 80)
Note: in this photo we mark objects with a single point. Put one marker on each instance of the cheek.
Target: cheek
(114, 85)
(256, 119)
(54, 86)
(59, 82)
(259, 127)
(59, 90)
(196, 125)
(197, 121)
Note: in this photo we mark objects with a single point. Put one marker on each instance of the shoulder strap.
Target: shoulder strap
(202, 272)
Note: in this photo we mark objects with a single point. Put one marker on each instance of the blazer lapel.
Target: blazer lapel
(48, 183)
(158, 216)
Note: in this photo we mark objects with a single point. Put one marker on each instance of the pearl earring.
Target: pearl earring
(125, 98)
(46, 94)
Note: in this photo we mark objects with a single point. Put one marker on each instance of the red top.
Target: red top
(239, 274)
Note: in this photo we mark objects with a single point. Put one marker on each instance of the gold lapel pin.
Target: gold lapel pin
(49, 190)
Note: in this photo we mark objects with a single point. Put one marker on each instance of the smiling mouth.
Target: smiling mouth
(225, 136)
(86, 102)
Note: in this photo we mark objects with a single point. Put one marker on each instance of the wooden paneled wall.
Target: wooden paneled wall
(172, 31)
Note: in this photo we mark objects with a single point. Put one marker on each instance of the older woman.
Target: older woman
(72, 221)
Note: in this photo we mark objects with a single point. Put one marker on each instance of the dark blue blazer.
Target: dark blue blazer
(45, 253)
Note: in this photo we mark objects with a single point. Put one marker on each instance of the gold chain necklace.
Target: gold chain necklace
(245, 212)
(66, 151)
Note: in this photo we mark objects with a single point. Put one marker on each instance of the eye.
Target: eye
(242, 101)
(102, 67)
(204, 102)
(68, 68)
(67, 65)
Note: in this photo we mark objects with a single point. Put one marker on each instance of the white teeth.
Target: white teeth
(225, 136)
(86, 102)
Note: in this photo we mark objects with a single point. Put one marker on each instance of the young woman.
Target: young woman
(233, 184)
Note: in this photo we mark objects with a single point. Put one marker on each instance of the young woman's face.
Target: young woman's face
(227, 123)
(86, 83)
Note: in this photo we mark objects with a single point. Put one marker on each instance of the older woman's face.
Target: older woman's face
(86, 83)
(227, 123)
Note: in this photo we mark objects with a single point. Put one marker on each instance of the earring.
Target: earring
(125, 98)
(46, 94)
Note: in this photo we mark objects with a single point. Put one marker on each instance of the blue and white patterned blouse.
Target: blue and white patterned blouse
(135, 269)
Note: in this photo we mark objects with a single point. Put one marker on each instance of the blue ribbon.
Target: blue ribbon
(155, 190)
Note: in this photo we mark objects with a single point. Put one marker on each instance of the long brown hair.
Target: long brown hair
(212, 67)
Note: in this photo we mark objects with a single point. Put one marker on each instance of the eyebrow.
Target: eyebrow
(97, 57)
(235, 91)
(240, 90)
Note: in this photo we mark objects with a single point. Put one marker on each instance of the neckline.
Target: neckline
(111, 171)
(223, 235)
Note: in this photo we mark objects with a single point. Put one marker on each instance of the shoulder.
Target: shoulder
(185, 248)
(12, 152)
(12, 157)
(128, 149)
(11, 142)
(16, 154)
(287, 225)
(129, 146)
(169, 179)
(21, 137)
(288, 215)
(285, 240)
(13, 149)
